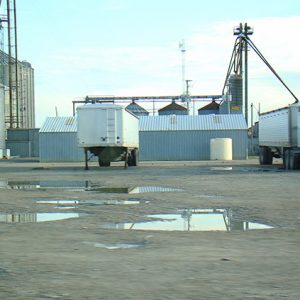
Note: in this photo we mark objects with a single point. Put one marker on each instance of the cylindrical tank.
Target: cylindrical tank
(221, 149)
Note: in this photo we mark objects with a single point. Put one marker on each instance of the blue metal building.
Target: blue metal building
(170, 137)
(188, 137)
(58, 140)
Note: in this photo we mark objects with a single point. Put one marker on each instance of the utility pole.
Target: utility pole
(13, 64)
(252, 130)
(247, 31)
(187, 95)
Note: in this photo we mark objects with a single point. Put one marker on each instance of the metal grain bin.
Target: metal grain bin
(173, 109)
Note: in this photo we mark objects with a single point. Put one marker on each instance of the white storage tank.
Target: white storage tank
(221, 149)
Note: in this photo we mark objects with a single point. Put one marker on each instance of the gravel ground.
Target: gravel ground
(88, 254)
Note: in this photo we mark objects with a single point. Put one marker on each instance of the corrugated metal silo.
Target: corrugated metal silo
(137, 109)
(173, 109)
(211, 108)
(236, 92)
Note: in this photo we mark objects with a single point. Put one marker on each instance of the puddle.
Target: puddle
(115, 246)
(109, 190)
(62, 203)
(113, 202)
(45, 184)
(221, 168)
(193, 220)
(135, 190)
(36, 217)
(209, 196)
(81, 186)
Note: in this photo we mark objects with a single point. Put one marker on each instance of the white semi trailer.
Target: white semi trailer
(109, 132)
(279, 136)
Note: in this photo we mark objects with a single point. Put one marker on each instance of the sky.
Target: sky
(130, 48)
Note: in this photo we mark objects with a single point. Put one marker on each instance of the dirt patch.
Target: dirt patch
(76, 258)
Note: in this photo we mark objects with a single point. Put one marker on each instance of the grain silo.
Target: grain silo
(211, 108)
(173, 109)
(235, 89)
(22, 113)
(137, 109)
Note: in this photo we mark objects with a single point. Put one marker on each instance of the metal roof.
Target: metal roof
(160, 123)
(59, 124)
(94, 106)
(201, 122)
(172, 106)
(211, 106)
(137, 109)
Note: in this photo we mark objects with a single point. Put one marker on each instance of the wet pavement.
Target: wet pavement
(207, 219)
(36, 217)
(199, 232)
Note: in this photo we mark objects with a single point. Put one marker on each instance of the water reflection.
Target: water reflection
(215, 219)
(76, 203)
(115, 246)
(81, 186)
(36, 217)
(45, 184)
(135, 190)
(221, 168)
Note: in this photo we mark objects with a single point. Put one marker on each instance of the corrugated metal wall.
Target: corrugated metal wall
(60, 146)
(154, 145)
(161, 138)
(23, 142)
(188, 145)
(274, 128)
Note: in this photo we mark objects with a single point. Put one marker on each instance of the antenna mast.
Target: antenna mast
(183, 50)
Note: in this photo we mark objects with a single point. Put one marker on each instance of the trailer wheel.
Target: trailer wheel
(265, 156)
(103, 163)
(135, 157)
(130, 160)
(296, 161)
(286, 159)
(293, 161)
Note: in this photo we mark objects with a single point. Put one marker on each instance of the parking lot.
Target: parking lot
(162, 230)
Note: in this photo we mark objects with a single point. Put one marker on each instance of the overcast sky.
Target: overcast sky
(130, 47)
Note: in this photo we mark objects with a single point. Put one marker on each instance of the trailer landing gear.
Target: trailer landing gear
(86, 159)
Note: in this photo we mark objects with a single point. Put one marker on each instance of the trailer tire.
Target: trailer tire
(103, 163)
(135, 157)
(265, 156)
(130, 160)
(297, 161)
(291, 160)
(286, 159)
